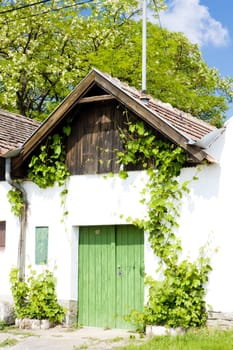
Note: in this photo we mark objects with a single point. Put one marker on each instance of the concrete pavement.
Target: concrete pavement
(63, 338)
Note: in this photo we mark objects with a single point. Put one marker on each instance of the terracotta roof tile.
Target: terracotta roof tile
(191, 127)
(14, 130)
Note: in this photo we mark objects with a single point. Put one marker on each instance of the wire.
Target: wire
(156, 9)
(24, 6)
(160, 24)
(47, 11)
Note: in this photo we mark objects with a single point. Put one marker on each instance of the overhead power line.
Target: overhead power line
(24, 6)
(47, 11)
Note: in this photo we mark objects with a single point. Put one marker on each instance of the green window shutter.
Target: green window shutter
(41, 245)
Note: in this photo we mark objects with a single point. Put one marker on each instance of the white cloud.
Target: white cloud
(195, 21)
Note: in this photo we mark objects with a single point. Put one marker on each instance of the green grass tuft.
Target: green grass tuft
(8, 342)
(192, 340)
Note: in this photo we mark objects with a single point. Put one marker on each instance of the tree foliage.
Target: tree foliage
(44, 47)
(47, 48)
(176, 72)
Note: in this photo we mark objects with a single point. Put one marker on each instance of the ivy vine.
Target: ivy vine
(177, 299)
(45, 169)
(48, 167)
(15, 198)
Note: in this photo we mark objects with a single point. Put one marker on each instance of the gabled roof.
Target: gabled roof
(181, 128)
(14, 131)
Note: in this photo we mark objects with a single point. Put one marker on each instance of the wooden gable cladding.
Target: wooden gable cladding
(94, 141)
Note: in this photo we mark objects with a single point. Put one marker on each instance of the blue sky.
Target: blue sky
(209, 23)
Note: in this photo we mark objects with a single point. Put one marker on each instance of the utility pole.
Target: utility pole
(144, 30)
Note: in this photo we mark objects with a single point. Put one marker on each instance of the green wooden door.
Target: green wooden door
(111, 274)
(130, 272)
(96, 276)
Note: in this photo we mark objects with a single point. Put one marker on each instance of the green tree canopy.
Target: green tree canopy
(47, 48)
(176, 72)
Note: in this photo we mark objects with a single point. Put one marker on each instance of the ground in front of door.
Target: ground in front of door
(61, 338)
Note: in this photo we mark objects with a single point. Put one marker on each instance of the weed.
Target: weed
(115, 340)
(132, 337)
(83, 346)
(2, 325)
(8, 342)
(76, 325)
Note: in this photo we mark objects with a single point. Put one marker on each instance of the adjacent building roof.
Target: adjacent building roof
(14, 131)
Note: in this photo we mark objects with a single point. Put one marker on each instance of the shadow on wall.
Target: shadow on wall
(209, 175)
(208, 183)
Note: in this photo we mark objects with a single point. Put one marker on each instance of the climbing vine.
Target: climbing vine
(45, 169)
(15, 198)
(178, 298)
(48, 167)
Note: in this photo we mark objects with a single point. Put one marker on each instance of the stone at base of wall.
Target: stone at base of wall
(220, 320)
(7, 312)
(28, 323)
(72, 311)
(161, 330)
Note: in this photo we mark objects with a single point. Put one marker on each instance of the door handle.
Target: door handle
(119, 272)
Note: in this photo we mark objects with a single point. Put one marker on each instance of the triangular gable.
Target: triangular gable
(177, 126)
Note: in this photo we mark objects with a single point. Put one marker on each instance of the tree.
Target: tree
(176, 71)
(43, 48)
(47, 48)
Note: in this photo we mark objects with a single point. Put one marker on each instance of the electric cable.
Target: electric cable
(47, 11)
(24, 6)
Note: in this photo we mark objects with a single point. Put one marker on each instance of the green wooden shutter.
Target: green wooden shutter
(41, 245)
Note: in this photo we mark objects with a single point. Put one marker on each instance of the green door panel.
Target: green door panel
(96, 276)
(110, 274)
(130, 272)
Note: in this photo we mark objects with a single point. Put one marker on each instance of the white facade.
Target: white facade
(95, 200)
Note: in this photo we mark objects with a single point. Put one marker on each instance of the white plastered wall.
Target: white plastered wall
(206, 215)
(8, 255)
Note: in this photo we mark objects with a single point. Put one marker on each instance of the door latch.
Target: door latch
(119, 271)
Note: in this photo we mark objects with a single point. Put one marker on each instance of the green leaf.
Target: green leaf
(123, 174)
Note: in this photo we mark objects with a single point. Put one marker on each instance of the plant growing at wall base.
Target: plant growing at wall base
(178, 298)
(35, 297)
